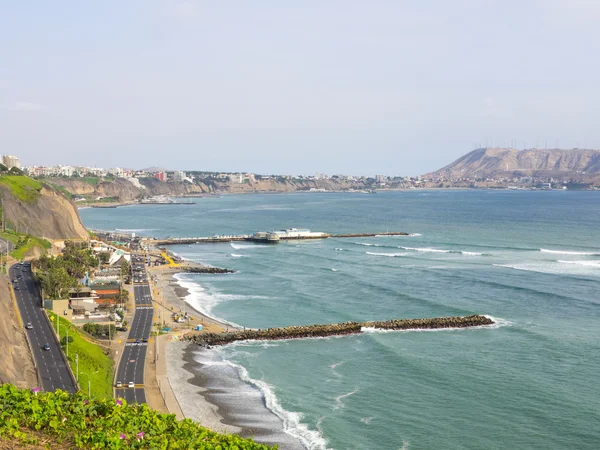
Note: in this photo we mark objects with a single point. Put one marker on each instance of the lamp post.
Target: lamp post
(89, 375)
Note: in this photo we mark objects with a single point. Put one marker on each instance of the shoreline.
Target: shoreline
(203, 393)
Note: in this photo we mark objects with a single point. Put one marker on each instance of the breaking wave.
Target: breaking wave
(391, 255)
(581, 263)
(568, 252)
(247, 246)
(437, 250)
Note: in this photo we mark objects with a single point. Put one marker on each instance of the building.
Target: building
(380, 178)
(116, 172)
(178, 175)
(160, 176)
(11, 161)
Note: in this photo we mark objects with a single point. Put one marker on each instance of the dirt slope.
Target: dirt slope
(17, 366)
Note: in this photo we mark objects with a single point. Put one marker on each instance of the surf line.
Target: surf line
(335, 329)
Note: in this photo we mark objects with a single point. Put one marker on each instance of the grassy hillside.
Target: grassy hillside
(24, 243)
(59, 420)
(94, 364)
(22, 187)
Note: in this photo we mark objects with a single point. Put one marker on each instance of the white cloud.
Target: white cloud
(27, 106)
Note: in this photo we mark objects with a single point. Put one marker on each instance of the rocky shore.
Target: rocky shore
(339, 329)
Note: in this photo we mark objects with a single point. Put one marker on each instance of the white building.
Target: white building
(116, 172)
(179, 175)
(66, 171)
(11, 161)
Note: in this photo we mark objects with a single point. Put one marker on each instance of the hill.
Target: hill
(576, 164)
(38, 209)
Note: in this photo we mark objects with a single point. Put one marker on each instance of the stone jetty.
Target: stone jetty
(336, 329)
(206, 269)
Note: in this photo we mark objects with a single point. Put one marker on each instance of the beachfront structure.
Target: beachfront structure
(292, 233)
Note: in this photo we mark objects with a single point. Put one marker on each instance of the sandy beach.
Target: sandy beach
(207, 389)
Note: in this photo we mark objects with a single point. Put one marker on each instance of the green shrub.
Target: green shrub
(77, 421)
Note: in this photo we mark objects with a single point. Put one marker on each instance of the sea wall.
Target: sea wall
(336, 329)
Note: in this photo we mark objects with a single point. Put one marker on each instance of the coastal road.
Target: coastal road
(51, 363)
(131, 367)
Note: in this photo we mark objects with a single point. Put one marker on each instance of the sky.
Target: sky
(294, 87)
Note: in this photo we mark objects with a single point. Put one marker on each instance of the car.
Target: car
(46, 347)
(15, 281)
(29, 326)
(119, 384)
(144, 340)
(131, 384)
(17, 288)
(137, 342)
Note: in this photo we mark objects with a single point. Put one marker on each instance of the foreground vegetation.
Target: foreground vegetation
(95, 366)
(61, 420)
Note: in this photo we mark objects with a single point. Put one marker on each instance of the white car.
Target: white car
(29, 326)
(131, 384)
(119, 384)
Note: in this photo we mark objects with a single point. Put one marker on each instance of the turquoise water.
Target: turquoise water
(529, 259)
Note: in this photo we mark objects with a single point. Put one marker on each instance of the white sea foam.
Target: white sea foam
(366, 420)
(247, 246)
(135, 230)
(238, 256)
(201, 300)
(368, 244)
(581, 263)
(390, 255)
(568, 252)
(339, 404)
(333, 270)
(498, 322)
(425, 249)
(576, 268)
(415, 234)
(292, 421)
(340, 249)
(437, 250)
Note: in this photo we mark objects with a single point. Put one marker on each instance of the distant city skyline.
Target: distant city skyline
(336, 87)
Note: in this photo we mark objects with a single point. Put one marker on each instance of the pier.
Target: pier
(336, 329)
(253, 238)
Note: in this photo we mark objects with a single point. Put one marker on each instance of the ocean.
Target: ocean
(529, 259)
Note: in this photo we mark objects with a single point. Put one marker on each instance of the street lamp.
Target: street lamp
(89, 375)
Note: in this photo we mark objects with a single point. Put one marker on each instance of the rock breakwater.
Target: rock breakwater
(336, 329)
(206, 269)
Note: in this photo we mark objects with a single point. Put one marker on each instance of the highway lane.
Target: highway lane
(51, 363)
(131, 366)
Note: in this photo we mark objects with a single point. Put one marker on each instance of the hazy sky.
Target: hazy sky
(294, 87)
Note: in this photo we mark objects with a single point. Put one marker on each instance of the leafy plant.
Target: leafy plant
(78, 421)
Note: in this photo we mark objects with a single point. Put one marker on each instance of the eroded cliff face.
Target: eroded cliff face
(50, 215)
(125, 190)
